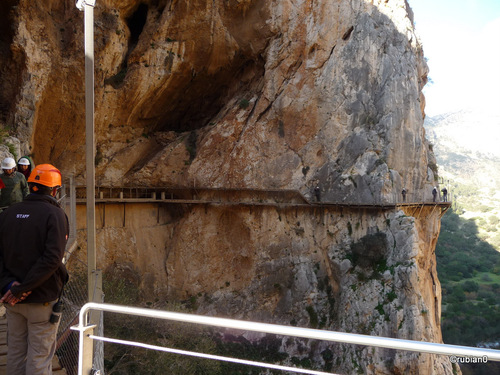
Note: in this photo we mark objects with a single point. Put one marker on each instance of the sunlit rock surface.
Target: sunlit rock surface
(249, 94)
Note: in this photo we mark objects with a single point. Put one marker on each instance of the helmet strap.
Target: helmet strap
(54, 191)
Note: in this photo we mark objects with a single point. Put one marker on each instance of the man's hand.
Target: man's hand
(11, 299)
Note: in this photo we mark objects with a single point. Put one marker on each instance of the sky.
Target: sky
(461, 41)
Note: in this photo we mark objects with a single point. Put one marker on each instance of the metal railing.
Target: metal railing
(281, 198)
(86, 338)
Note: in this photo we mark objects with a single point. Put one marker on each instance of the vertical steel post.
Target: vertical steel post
(72, 210)
(88, 7)
(85, 350)
(90, 145)
(94, 275)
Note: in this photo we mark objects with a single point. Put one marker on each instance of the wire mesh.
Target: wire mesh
(74, 297)
(75, 293)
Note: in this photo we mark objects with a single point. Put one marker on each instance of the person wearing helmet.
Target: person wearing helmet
(33, 235)
(445, 194)
(15, 188)
(25, 166)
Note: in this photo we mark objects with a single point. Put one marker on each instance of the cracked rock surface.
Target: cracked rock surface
(248, 94)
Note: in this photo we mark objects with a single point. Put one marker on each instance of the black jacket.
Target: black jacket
(33, 236)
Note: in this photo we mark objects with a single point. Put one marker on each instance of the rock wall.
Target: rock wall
(248, 94)
(240, 94)
(355, 270)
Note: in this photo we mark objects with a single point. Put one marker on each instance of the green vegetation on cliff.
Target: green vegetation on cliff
(469, 271)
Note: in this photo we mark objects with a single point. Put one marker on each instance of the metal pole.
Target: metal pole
(72, 205)
(88, 7)
(95, 293)
(90, 145)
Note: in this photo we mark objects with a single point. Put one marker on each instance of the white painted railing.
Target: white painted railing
(87, 336)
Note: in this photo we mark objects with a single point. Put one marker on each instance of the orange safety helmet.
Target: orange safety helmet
(45, 174)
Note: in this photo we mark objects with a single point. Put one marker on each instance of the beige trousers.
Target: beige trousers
(31, 339)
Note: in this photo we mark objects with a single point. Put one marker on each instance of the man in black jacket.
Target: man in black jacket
(33, 236)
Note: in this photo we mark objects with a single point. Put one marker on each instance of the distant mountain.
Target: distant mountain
(466, 145)
(466, 131)
(468, 250)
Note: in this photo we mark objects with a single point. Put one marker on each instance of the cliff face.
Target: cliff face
(249, 94)
(345, 269)
(238, 94)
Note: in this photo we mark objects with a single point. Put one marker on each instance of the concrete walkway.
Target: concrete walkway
(56, 367)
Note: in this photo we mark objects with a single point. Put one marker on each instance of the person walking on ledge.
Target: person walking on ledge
(33, 236)
(317, 193)
(445, 194)
(434, 194)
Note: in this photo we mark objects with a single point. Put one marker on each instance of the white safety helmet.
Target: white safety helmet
(8, 163)
(23, 161)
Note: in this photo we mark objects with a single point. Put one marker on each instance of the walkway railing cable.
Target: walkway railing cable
(208, 356)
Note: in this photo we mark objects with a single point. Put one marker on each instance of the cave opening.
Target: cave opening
(8, 86)
(199, 101)
(136, 23)
(198, 97)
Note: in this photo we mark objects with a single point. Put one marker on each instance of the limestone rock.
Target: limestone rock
(240, 94)
(248, 94)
